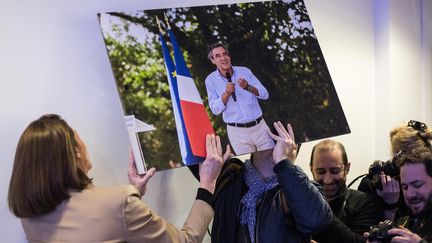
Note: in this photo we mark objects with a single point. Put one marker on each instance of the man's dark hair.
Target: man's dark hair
(329, 145)
(213, 46)
(417, 156)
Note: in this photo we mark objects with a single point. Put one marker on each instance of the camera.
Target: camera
(389, 168)
(380, 232)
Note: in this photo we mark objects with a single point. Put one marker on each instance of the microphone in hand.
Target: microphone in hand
(228, 76)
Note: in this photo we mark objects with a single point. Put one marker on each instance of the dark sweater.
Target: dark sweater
(355, 212)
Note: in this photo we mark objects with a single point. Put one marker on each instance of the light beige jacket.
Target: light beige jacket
(114, 214)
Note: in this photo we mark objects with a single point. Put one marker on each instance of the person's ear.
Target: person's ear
(77, 153)
(213, 60)
(347, 168)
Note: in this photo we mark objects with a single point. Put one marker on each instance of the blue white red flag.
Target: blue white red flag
(195, 116)
(187, 139)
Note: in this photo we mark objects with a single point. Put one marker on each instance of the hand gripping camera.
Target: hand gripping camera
(389, 168)
(380, 232)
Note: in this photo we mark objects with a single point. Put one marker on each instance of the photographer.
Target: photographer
(382, 179)
(416, 181)
(413, 140)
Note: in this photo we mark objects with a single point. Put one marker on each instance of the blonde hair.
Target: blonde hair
(407, 138)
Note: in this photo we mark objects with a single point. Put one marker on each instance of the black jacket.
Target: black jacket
(289, 212)
(355, 212)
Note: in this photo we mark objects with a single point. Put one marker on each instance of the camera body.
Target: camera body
(378, 166)
(380, 232)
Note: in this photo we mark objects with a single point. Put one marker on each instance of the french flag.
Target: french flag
(191, 118)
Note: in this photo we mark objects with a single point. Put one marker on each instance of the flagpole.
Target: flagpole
(167, 22)
(159, 25)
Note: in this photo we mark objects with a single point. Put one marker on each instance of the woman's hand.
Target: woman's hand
(139, 181)
(212, 165)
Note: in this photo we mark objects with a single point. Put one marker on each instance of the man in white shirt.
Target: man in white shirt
(234, 91)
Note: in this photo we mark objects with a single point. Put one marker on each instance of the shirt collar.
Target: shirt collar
(222, 76)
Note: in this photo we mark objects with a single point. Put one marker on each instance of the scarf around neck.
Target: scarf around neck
(257, 186)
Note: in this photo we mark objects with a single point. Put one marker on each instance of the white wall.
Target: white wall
(345, 31)
(379, 55)
(53, 59)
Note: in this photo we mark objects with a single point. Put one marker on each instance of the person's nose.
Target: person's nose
(328, 179)
(410, 192)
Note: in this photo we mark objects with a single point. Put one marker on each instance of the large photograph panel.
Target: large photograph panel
(271, 45)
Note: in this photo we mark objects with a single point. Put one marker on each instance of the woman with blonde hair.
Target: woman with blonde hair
(54, 197)
(406, 138)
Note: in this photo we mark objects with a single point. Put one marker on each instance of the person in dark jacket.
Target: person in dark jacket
(416, 181)
(405, 137)
(355, 211)
(268, 198)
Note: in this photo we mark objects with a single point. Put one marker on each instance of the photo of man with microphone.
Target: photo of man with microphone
(234, 91)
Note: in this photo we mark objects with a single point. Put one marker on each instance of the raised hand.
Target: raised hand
(285, 147)
(212, 165)
(391, 189)
(139, 181)
(229, 88)
(242, 83)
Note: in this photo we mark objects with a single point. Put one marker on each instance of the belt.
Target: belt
(249, 124)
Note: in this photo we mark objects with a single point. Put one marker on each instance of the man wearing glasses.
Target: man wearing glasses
(234, 91)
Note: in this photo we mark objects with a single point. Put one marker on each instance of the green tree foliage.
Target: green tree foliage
(141, 81)
(274, 39)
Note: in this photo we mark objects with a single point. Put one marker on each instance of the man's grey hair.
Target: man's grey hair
(213, 46)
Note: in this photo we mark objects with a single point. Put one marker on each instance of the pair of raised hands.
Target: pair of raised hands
(285, 148)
